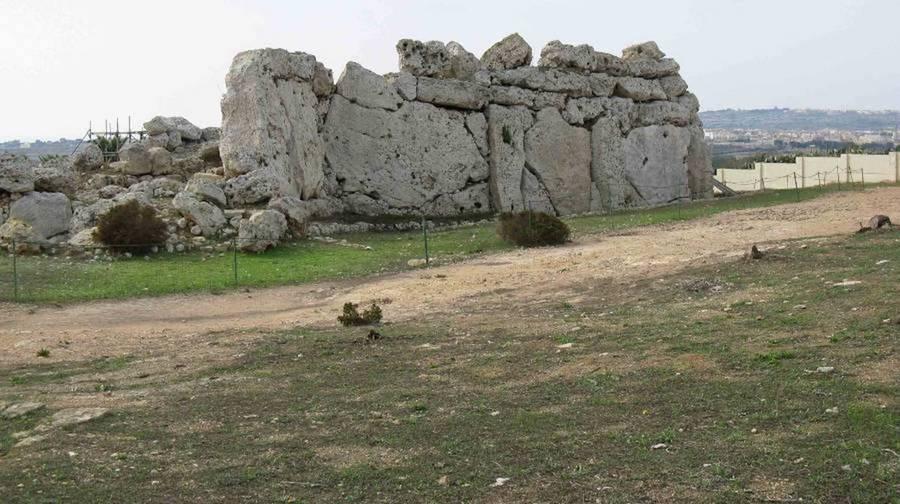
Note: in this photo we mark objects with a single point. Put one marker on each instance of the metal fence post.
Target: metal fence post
(15, 271)
(862, 179)
(425, 236)
(234, 264)
(796, 187)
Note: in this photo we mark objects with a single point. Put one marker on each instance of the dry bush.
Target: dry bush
(532, 229)
(131, 227)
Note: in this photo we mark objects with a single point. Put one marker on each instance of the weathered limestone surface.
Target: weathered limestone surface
(271, 124)
(452, 134)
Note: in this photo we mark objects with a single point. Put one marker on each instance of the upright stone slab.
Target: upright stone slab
(699, 165)
(506, 138)
(270, 121)
(560, 156)
(656, 164)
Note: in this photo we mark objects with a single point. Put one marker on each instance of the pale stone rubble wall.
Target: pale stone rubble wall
(453, 135)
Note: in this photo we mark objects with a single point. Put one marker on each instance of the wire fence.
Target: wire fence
(796, 180)
(44, 272)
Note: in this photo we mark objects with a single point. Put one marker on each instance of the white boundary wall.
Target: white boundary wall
(814, 171)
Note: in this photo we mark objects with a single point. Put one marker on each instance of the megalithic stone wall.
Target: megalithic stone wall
(453, 135)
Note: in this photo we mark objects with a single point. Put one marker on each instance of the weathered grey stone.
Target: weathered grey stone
(423, 59)
(470, 201)
(17, 410)
(511, 52)
(699, 165)
(463, 64)
(262, 231)
(535, 196)
(582, 110)
(211, 134)
(602, 85)
(540, 79)
(366, 88)
(582, 57)
(16, 174)
(83, 238)
(399, 160)
(405, 83)
(608, 167)
(136, 159)
(206, 215)
(660, 112)
(160, 161)
(89, 157)
(651, 69)
(270, 122)
(210, 153)
(322, 80)
(173, 140)
(452, 93)
(258, 186)
(53, 178)
(674, 86)
(655, 163)
(161, 140)
(560, 157)
(643, 50)
(48, 214)
(207, 191)
(639, 90)
(299, 212)
(506, 137)
(477, 126)
(159, 125)
(511, 95)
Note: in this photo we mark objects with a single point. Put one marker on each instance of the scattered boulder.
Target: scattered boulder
(160, 161)
(206, 215)
(207, 191)
(184, 128)
(262, 231)
(16, 174)
(511, 52)
(88, 157)
(643, 50)
(55, 177)
(463, 64)
(17, 410)
(48, 214)
(424, 59)
(211, 134)
(134, 159)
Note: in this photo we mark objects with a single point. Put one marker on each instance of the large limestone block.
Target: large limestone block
(546, 79)
(270, 121)
(367, 88)
(452, 93)
(699, 165)
(477, 126)
(89, 157)
(470, 201)
(48, 214)
(582, 57)
(506, 138)
(405, 83)
(511, 52)
(651, 69)
(643, 50)
(262, 231)
(424, 59)
(400, 161)
(16, 174)
(656, 163)
(463, 64)
(610, 189)
(135, 159)
(159, 125)
(559, 154)
(660, 112)
(535, 195)
(55, 178)
(639, 90)
(209, 217)
(674, 86)
(537, 100)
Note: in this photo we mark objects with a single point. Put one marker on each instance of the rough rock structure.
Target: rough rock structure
(449, 136)
(452, 136)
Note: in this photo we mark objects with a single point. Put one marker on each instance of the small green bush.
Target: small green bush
(131, 227)
(352, 317)
(532, 229)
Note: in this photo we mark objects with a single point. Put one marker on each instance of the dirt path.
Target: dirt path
(176, 322)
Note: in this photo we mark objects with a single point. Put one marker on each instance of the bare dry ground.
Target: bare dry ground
(106, 328)
(653, 365)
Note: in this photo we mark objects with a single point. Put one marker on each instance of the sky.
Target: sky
(66, 64)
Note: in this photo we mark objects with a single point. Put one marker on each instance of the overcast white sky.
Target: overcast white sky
(64, 63)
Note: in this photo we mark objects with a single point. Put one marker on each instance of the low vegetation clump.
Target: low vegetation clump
(533, 229)
(131, 227)
(352, 317)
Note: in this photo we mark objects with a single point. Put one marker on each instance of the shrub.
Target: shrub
(532, 229)
(351, 316)
(43, 352)
(131, 227)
